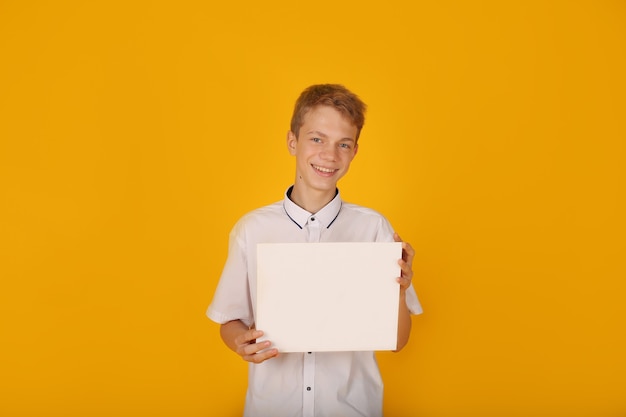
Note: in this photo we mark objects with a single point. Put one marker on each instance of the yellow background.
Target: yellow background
(134, 134)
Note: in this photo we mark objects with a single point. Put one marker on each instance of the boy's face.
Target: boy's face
(324, 148)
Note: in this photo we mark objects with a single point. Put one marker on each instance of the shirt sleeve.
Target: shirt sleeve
(232, 297)
(412, 302)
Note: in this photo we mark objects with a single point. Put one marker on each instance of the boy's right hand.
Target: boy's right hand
(251, 351)
(241, 339)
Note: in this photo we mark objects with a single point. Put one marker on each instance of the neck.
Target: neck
(311, 200)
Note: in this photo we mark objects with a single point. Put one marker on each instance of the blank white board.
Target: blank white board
(316, 297)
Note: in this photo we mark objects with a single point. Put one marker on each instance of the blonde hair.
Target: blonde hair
(333, 95)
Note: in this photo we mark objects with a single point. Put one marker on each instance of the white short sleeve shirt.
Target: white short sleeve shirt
(324, 384)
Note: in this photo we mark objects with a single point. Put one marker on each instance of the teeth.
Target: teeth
(323, 169)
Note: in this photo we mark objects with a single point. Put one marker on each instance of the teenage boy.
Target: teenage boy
(325, 129)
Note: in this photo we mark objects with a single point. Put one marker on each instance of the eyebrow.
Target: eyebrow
(318, 133)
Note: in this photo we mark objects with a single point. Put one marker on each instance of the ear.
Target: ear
(292, 141)
(356, 149)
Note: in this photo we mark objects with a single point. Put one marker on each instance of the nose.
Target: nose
(329, 153)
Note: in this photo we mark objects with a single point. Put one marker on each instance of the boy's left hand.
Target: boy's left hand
(406, 263)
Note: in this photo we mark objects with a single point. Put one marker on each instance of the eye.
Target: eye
(316, 140)
(344, 145)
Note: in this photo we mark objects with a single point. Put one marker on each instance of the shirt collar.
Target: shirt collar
(326, 216)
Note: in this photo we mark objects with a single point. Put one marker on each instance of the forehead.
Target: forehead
(329, 120)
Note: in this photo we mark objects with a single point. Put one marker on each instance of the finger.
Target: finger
(262, 356)
(258, 352)
(407, 250)
(405, 269)
(408, 253)
(252, 348)
(404, 283)
(248, 337)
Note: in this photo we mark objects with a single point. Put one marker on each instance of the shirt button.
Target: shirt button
(312, 219)
(309, 353)
(308, 388)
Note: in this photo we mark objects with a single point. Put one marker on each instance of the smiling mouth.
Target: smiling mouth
(324, 170)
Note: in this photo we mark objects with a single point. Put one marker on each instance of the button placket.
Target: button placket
(313, 229)
(308, 394)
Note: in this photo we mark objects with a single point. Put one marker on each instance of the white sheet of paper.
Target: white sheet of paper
(315, 297)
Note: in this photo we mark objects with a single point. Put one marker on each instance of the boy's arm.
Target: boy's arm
(242, 340)
(404, 322)
(404, 315)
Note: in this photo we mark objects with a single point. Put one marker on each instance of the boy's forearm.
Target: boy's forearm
(404, 322)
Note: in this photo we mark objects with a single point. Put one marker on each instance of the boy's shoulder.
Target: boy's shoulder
(262, 214)
(362, 210)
